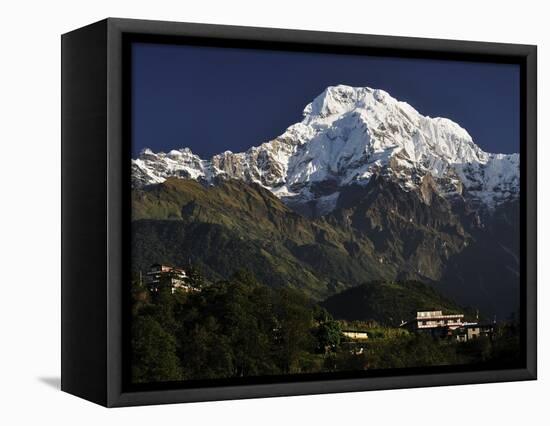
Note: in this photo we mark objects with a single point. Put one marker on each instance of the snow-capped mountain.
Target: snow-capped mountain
(347, 135)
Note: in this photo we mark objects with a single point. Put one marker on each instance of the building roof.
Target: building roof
(448, 316)
(163, 265)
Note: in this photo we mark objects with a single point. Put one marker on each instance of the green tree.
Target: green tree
(229, 324)
(164, 306)
(154, 356)
(328, 336)
(195, 277)
(294, 320)
(205, 352)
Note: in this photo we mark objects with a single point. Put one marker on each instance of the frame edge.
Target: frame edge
(116, 28)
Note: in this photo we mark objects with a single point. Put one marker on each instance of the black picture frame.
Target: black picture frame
(95, 205)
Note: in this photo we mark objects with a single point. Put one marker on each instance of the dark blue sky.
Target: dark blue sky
(215, 99)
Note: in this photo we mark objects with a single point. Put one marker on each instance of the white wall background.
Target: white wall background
(30, 200)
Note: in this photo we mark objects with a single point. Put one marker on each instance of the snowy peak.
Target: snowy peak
(338, 100)
(347, 135)
(150, 168)
(390, 124)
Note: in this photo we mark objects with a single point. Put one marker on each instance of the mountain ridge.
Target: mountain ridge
(377, 232)
(347, 136)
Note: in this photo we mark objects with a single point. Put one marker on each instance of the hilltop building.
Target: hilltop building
(164, 275)
(450, 326)
(430, 320)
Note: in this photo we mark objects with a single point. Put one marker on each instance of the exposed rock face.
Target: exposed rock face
(375, 232)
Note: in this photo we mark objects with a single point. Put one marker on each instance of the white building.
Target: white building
(430, 320)
(159, 275)
(355, 334)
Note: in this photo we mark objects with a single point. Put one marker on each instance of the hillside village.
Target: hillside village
(433, 323)
(184, 328)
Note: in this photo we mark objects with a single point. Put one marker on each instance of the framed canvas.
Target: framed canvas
(254, 212)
